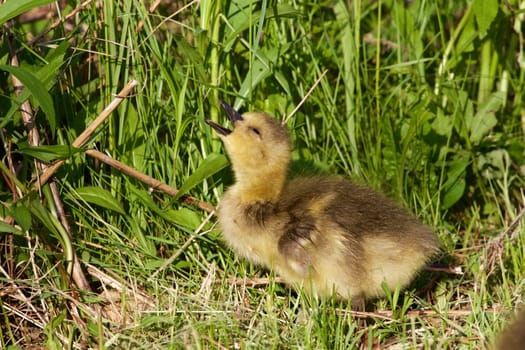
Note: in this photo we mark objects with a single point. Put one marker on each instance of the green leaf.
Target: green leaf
(453, 194)
(482, 126)
(260, 69)
(455, 186)
(485, 118)
(44, 216)
(49, 153)
(264, 65)
(465, 41)
(145, 198)
(442, 124)
(241, 19)
(100, 197)
(37, 89)
(211, 165)
(46, 74)
(22, 215)
(6, 228)
(485, 11)
(183, 216)
(12, 8)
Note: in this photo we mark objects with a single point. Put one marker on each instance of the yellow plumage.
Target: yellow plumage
(325, 233)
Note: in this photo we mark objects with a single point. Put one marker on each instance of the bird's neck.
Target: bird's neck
(260, 188)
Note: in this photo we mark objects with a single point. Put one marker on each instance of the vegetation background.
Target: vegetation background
(420, 99)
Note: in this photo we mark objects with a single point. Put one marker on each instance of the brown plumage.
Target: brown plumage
(326, 233)
(513, 336)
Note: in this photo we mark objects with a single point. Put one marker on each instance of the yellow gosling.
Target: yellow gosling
(324, 233)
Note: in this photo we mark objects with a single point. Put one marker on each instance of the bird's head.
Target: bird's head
(258, 147)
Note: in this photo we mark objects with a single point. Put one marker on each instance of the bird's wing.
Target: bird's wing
(297, 242)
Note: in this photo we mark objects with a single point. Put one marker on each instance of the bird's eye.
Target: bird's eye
(256, 131)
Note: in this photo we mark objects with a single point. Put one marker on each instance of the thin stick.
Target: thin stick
(495, 248)
(56, 24)
(148, 180)
(452, 269)
(116, 282)
(388, 315)
(254, 282)
(84, 136)
(285, 120)
(509, 231)
(28, 118)
(184, 246)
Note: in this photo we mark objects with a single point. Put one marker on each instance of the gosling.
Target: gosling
(327, 234)
(513, 336)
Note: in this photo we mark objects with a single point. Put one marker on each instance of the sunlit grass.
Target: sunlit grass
(417, 102)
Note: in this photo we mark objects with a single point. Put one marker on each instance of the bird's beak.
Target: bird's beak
(233, 115)
(219, 129)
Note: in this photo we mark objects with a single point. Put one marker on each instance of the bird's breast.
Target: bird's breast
(251, 230)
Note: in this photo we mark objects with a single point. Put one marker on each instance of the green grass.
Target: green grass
(421, 100)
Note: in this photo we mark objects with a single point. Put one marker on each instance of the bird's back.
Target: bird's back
(358, 209)
(351, 236)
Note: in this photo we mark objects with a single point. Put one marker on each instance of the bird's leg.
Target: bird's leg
(358, 303)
